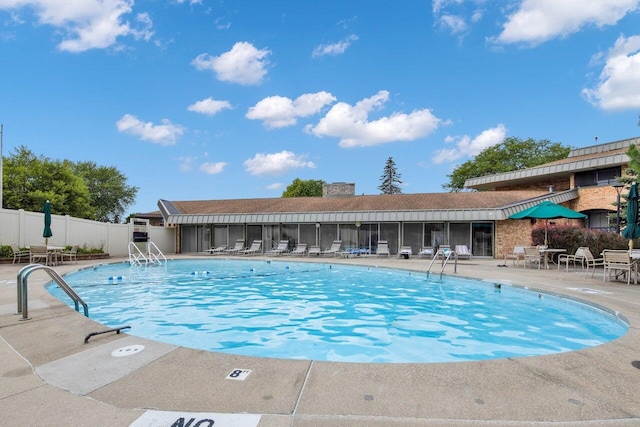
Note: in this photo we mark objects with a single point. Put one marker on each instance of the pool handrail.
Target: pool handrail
(22, 288)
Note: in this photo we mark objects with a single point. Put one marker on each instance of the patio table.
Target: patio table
(548, 254)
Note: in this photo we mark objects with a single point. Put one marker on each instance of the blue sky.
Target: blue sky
(235, 99)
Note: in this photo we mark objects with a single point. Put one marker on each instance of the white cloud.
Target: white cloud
(351, 123)
(213, 168)
(276, 163)
(455, 24)
(466, 146)
(279, 111)
(537, 21)
(209, 106)
(165, 134)
(87, 24)
(619, 85)
(243, 64)
(275, 186)
(335, 48)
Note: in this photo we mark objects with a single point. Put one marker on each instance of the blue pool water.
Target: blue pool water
(335, 312)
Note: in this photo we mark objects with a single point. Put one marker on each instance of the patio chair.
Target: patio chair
(572, 258)
(301, 249)
(591, 261)
(314, 250)
(255, 249)
(532, 256)
(70, 254)
(283, 246)
(515, 256)
(18, 253)
(336, 247)
(619, 263)
(217, 251)
(237, 248)
(463, 252)
(39, 254)
(426, 251)
(405, 252)
(383, 248)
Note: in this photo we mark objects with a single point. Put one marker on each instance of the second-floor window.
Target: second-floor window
(597, 177)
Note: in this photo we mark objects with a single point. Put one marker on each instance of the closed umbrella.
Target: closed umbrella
(547, 210)
(46, 233)
(632, 230)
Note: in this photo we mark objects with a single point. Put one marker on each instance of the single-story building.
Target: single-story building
(479, 219)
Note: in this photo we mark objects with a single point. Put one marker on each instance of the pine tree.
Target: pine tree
(390, 179)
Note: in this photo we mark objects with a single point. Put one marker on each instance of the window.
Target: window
(597, 177)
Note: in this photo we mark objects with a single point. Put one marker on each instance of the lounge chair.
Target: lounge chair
(405, 252)
(383, 248)
(515, 256)
(217, 250)
(335, 248)
(237, 248)
(18, 253)
(255, 249)
(574, 258)
(283, 246)
(443, 251)
(426, 251)
(463, 252)
(314, 250)
(301, 249)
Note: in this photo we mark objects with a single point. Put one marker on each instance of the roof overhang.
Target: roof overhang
(172, 215)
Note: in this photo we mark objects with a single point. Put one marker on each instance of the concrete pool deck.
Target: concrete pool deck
(49, 376)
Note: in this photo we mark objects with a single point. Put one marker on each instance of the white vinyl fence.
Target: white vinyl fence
(25, 228)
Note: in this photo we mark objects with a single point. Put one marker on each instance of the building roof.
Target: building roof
(581, 159)
(463, 206)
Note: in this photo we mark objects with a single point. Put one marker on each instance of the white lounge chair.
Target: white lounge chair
(383, 248)
(218, 250)
(283, 246)
(335, 248)
(426, 251)
(70, 254)
(405, 252)
(237, 248)
(463, 252)
(301, 249)
(314, 250)
(255, 249)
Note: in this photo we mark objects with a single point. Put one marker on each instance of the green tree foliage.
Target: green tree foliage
(634, 160)
(109, 193)
(29, 181)
(390, 178)
(304, 188)
(510, 155)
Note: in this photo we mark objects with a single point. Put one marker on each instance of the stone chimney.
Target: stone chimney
(339, 189)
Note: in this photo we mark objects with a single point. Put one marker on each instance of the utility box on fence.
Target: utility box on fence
(140, 234)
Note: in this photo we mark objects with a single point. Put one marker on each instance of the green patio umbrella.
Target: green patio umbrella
(46, 233)
(632, 230)
(547, 210)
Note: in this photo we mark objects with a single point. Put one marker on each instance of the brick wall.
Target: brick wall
(339, 189)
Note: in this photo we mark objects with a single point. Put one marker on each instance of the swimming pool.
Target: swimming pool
(329, 312)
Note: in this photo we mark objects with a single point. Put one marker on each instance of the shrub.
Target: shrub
(571, 238)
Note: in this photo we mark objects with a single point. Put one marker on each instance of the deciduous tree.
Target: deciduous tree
(510, 155)
(304, 188)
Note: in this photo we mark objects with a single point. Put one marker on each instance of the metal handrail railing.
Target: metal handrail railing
(135, 255)
(446, 256)
(22, 288)
(155, 256)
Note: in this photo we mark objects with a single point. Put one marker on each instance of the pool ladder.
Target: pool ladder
(446, 256)
(153, 256)
(22, 285)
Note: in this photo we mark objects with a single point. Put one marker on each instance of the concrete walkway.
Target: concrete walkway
(49, 376)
